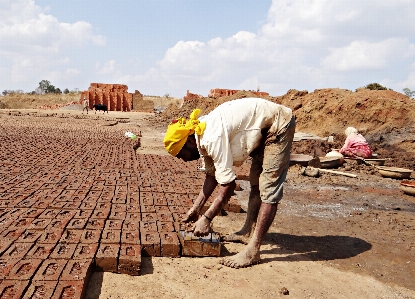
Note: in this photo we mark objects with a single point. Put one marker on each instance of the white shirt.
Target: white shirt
(233, 131)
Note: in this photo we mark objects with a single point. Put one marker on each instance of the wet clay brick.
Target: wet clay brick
(129, 261)
(58, 224)
(50, 236)
(17, 250)
(147, 209)
(199, 246)
(70, 290)
(39, 224)
(150, 244)
(5, 266)
(90, 236)
(50, 270)
(117, 215)
(71, 236)
(83, 214)
(148, 216)
(77, 223)
(146, 226)
(11, 234)
(100, 213)
(133, 208)
(13, 288)
(49, 213)
(78, 270)
(63, 251)
(95, 223)
(170, 245)
(164, 216)
(40, 290)
(111, 236)
(133, 217)
(22, 223)
(130, 237)
(85, 251)
(5, 245)
(29, 236)
(113, 224)
(165, 226)
(33, 212)
(106, 258)
(40, 251)
(131, 225)
(87, 205)
(65, 214)
(24, 269)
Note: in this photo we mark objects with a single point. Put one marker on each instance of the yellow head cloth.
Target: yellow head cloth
(179, 129)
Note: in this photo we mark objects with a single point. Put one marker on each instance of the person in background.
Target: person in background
(355, 145)
(226, 137)
(86, 106)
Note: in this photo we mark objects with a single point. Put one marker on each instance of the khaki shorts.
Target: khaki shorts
(270, 166)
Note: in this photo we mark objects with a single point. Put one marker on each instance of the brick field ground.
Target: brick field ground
(75, 198)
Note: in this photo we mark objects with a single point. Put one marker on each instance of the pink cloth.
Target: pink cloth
(356, 145)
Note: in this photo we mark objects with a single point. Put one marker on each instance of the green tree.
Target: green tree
(408, 92)
(66, 91)
(375, 86)
(46, 87)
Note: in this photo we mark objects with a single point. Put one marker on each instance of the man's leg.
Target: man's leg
(276, 159)
(250, 255)
(254, 204)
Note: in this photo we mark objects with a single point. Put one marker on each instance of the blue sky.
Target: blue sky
(160, 47)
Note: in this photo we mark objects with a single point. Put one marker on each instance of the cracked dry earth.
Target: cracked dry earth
(333, 236)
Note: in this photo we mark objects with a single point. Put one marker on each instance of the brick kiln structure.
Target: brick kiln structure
(114, 96)
(218, 92)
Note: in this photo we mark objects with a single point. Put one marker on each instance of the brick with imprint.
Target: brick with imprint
(112, 236)
(150, 243)
(70, 289)
(71, 236)
(90, 236)
(63, 251)
(24, 269)
(40, 251)
(17, 250)
(84, 251)
(79, 269)
(5, 266)
(170, 245)
(40, 289)
(106, 257)
(130, 237)
(113, 224)
(10, 288)
(50, 236)
(50, 269)
(129, 260)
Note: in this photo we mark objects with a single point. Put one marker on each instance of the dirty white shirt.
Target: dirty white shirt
(233, 131)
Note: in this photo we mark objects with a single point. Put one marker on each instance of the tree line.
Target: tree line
(44, 87)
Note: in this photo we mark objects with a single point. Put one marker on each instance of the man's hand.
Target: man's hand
(202, 227)
(190, 216)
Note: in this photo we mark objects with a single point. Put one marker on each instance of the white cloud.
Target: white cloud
(33, 43)
(305, 44)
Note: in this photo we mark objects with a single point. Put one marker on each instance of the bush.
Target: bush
(375, 86)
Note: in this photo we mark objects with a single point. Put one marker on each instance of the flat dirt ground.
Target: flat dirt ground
(333, 237)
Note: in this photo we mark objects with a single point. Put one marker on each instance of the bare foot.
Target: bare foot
(243, 259)
(237, 238)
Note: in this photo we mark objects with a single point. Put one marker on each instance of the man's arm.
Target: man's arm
(202, 226)
(208, 187)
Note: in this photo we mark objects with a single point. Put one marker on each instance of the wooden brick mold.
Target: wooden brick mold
(199, 246)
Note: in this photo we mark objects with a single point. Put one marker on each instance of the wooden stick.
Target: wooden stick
(338, 172)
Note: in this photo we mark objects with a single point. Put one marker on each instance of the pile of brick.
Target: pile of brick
(114, 96)
(75, 198)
